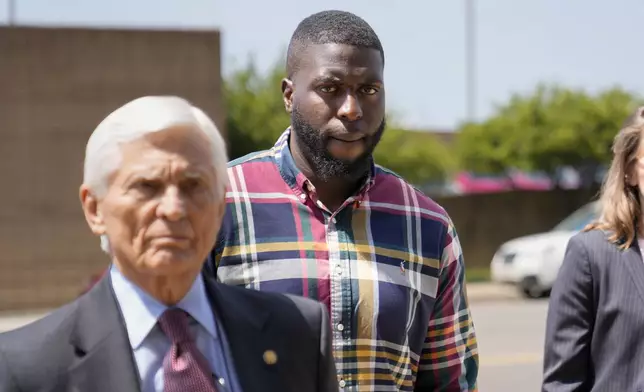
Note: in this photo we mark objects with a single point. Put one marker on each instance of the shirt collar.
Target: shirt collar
(141, 311)
(295, 178)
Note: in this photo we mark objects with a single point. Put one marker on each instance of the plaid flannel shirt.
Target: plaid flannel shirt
(387, 265)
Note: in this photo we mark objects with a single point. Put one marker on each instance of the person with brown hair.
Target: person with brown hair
(595, 325)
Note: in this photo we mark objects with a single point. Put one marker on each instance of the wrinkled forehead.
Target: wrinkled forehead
(340, 60)
(186, 142)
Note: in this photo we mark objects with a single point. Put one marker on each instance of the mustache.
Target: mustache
(348, 135)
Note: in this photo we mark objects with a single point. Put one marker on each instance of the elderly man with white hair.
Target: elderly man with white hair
(153, 190)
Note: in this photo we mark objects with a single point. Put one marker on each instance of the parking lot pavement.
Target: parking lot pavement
(510, 335)
(487, 291)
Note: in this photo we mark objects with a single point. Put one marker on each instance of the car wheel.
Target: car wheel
(530, 288)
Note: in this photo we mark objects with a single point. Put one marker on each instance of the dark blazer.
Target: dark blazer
(83, 346)
(595, 327)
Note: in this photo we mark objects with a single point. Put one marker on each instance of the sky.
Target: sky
(589, 44)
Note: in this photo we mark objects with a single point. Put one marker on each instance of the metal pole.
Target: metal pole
(11, 12)
(470, 58)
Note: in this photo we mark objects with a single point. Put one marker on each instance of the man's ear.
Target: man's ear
(287, 94)
(92, 210)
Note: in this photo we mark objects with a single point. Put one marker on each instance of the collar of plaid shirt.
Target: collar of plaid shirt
(387, 265)
(300, 185)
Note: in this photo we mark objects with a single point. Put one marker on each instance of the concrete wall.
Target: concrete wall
(56, 85)
(485, 221)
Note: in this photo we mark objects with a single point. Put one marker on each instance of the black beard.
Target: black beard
(313, 145)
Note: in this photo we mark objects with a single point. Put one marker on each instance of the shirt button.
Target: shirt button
(340, 327)
(303, 196)
(342, 383)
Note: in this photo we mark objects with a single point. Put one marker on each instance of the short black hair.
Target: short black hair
(331, 27)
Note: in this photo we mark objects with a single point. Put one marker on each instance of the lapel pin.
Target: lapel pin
(270, 357)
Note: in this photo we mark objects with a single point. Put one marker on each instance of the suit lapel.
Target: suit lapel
(635, 265)
(254, 349)
(104, 359)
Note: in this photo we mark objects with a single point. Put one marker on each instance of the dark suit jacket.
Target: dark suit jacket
(595, 328)
(83, 346)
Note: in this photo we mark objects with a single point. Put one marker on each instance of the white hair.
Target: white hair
(135, 120)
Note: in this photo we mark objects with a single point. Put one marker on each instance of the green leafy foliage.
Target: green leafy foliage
(549, 128)
(255, 109)
(256, 117)
(417, 156)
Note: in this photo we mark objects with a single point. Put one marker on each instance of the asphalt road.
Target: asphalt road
(510, 336)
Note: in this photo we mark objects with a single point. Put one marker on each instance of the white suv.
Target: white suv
(532, 262)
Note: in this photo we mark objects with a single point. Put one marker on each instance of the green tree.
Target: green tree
(255, 109)
(417, 156)
(549, 128)
(256, 117)
(490, 147)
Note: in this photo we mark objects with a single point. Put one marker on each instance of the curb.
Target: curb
(479, 292)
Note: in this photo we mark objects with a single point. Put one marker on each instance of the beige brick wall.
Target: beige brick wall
(56, 84)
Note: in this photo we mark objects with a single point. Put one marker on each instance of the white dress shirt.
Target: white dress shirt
(149, 344)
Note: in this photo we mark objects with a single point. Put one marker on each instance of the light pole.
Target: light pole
(470, 58)
(11, 5)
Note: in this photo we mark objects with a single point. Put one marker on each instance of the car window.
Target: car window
(578, 219)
